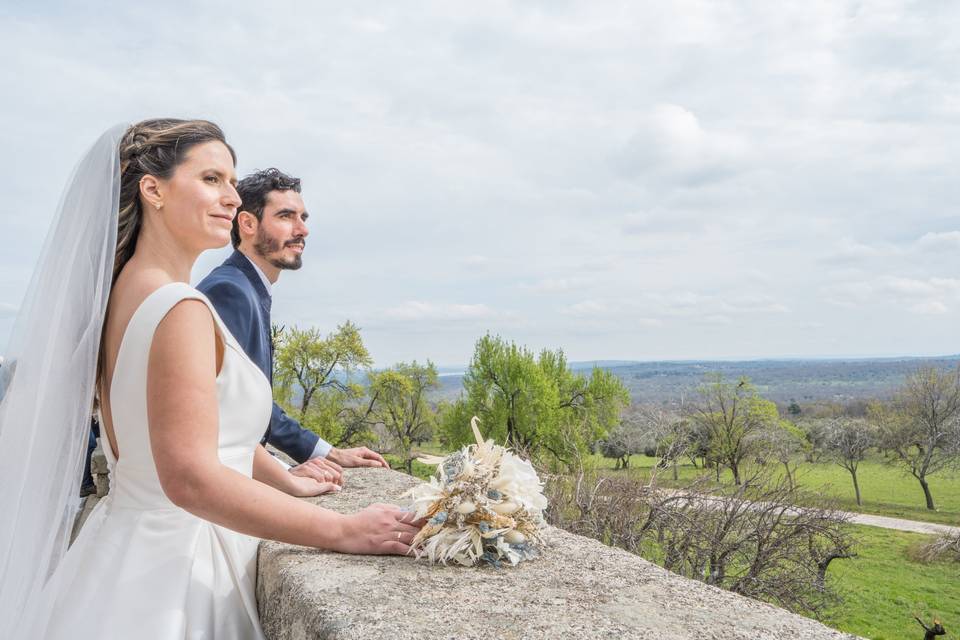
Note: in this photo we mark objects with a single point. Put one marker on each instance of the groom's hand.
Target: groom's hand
(320, 469)
(357, 457)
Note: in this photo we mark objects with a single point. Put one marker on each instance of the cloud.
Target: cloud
(475, 261)
(851, 251)
(715, 319)
(930, 243)
(925, 296)
(946, 241)
(426, 311)
(588, 170)
(932, 307)
(663, 222)
(556, 285)
(656, 308)
(671, 143)
(587, 308)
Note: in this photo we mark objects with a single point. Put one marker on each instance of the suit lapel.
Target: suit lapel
(241, 262)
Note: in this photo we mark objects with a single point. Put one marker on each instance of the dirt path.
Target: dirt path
(884, 522)
(902, 525)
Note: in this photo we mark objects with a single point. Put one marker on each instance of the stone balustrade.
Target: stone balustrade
(579, 588)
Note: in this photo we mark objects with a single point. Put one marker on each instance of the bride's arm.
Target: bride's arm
(183, 422)
(269, 470)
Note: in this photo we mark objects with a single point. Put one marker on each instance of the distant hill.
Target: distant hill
(778, 380)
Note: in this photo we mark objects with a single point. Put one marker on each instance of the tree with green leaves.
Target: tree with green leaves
(535, 404)
(401, 405)
(733, 417)
(313, 378)
(920, 430)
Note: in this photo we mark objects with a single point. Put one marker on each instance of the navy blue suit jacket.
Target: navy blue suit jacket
(241, 300)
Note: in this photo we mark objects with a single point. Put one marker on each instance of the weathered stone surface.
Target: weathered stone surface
(579, 588)
(99, 470)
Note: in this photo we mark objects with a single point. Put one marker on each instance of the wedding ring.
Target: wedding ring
(398, 535)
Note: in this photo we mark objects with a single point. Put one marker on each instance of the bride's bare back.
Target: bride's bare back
(133, 286)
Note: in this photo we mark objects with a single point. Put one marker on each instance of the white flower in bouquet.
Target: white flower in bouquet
(484, 504)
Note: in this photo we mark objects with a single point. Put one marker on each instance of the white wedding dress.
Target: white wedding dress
(143, 567)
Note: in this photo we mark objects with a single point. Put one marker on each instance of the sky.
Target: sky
(622, 180)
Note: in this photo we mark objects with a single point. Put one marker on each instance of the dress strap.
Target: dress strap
(158, 304)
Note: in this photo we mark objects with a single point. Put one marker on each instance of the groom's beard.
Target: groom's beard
(266, 246)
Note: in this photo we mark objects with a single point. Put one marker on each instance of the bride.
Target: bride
(171, 551)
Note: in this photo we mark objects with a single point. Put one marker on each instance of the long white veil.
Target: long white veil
(47, 382)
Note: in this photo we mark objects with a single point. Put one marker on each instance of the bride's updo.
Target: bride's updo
(153, 147)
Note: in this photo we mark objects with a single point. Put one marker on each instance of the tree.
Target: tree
(625, 440)
(785, 441)
(794, 408)
(312, 376)
(815, 433)
(848, 440)
(535, 404)
(733, 416)
(401, 405)
(921, 430)
(670, 434)
(753, 540)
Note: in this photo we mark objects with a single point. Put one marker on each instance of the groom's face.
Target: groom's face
(282, 232)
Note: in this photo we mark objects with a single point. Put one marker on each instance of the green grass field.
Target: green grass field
(885, 490)
(882, 588)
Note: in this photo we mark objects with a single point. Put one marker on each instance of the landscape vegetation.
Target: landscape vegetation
(738, 474)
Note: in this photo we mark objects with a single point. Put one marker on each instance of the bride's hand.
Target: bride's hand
(380, 529)
(308, 487)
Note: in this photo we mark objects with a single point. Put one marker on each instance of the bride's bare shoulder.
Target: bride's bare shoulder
(132, 287)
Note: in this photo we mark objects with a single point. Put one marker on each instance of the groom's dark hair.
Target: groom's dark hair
(253, 191)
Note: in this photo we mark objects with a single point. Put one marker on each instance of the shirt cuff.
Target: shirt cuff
(322, 449)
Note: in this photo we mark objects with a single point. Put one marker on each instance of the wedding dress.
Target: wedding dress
(143, 567)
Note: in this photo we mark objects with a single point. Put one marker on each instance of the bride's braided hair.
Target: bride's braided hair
(152, 147)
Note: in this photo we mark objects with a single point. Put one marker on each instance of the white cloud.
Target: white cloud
(671, 143)
(946, 241)
(772, 165)
(556, 285)
(587, 308)
(716, 319)
(417, 311)
(474, 261)
(932, 307)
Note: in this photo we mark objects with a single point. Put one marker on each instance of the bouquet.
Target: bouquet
(483, 505)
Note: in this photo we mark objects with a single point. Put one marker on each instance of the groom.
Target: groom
(269, 235)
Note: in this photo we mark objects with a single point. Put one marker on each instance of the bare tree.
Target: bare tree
(815, 433)
(671, 435)
(848, 441)
(921, 430)
(752, 541)
(941, 548)
(626, 439)
(784, 441)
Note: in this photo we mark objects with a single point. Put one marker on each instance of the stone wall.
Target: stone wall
(579, 588)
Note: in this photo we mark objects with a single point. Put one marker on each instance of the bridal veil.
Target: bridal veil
(47, 382)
